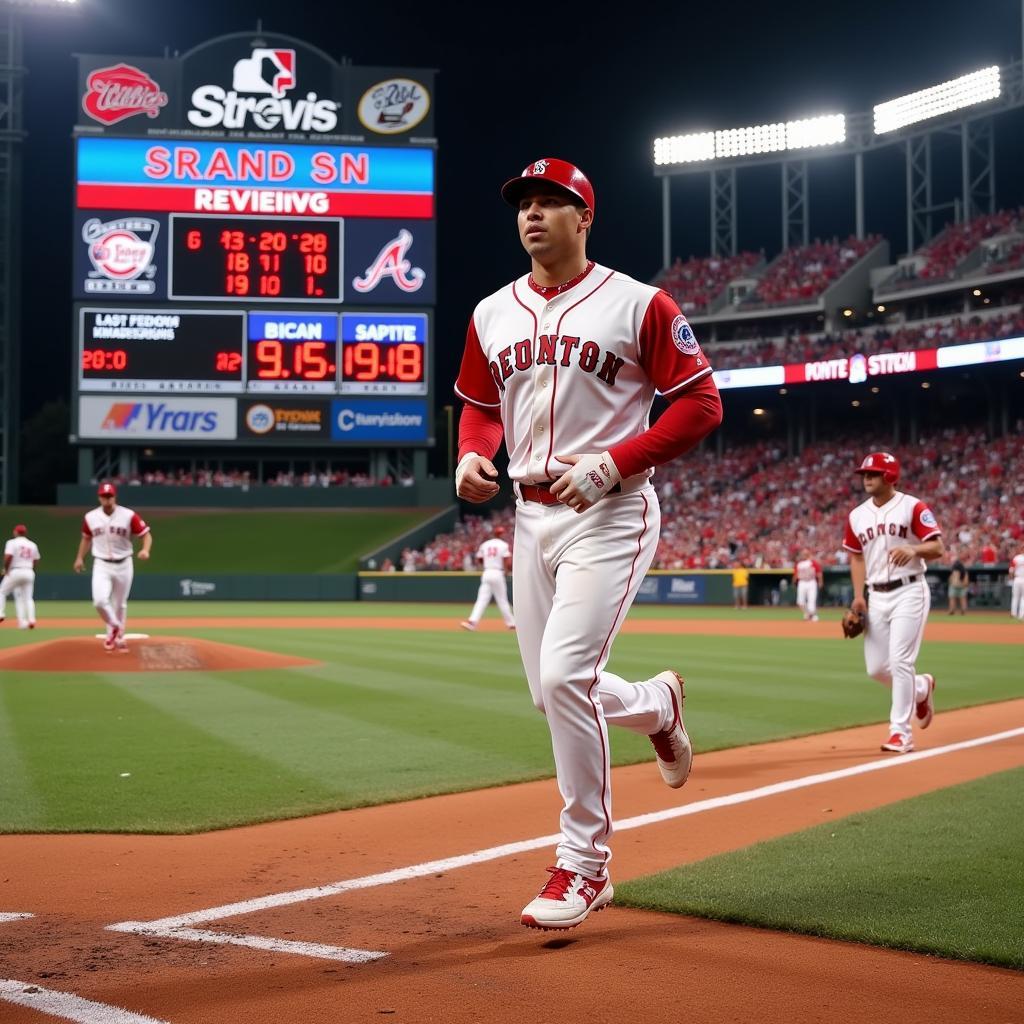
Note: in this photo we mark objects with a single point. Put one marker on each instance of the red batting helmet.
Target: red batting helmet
(556, 172)
(499, 531)
(20, 530)
(881, 462)
(106, 489)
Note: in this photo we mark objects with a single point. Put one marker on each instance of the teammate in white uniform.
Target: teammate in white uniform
(562, 364)
(109, 530)
(495, 554)
(1017, 586)
(808, 576)
(20, 558)
(890, 537)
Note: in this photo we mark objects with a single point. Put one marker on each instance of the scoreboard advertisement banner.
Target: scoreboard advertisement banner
(255, 221)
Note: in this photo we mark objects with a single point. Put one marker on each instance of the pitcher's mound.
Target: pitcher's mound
(156, 654)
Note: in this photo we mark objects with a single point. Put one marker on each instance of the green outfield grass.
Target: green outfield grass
(215, 541)
(388, 715)
(941, 873)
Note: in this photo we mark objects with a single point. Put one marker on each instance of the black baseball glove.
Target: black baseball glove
(853, 623)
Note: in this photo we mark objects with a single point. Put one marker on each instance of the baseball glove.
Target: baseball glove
(853, 623)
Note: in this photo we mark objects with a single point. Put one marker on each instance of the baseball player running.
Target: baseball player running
(563, 364)
(808, 577)
(495, 554)
(1017, 586)
(20, 558)
(109, 530)
(890, 537)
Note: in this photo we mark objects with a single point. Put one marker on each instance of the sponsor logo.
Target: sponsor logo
(160, 417)
(393, 106)
(121, 253)
(375, 419)
(391, 263)
(121, 91)
(260, 419)
(259, 87)
(196, 588)
(595, 479)
(682, 336)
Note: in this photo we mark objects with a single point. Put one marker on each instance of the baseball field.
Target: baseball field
(336, 811)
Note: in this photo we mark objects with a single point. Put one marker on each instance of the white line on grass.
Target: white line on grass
(181, 926)
(13, 917)
(68, 1006)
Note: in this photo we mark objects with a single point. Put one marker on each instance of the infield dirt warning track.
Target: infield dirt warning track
(410, 911)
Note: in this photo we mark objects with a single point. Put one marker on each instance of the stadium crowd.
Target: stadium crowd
(800, 348)
(696, 283)
(244, 479)
(939, 258)
(757, 507)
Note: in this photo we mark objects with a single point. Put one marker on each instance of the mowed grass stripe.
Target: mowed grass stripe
(20, 803)
(940, 873)
(101, 758)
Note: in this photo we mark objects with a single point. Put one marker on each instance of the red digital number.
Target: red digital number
(101, 359)
(270, 356)
(228, 362)
(362, 361)
(409, 362)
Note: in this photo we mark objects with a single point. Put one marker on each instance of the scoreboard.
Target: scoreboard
(254, 249)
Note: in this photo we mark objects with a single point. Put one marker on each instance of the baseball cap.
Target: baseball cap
(20, 530)
(560, 173)
(106, 489)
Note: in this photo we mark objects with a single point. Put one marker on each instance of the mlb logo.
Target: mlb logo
(266, 71)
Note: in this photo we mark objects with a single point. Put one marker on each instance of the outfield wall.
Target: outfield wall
(768, 587)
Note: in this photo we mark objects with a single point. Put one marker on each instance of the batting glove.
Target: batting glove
(587, 482)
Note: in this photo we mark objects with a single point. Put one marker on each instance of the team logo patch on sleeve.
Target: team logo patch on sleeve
(928, 518)
(682, 336)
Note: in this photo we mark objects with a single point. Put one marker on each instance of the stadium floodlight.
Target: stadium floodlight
(965, 91)
(763, 138)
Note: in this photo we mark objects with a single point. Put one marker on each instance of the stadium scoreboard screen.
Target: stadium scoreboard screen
(254, 244)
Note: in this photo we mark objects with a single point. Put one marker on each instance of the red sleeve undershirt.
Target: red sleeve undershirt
(480, 431)
(687, 421)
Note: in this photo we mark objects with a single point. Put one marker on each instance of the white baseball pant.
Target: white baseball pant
(575, 576)
(807, 597)
(492, 585)
(111, 584)
(1017, 599)
(21, 584)
(896, 621)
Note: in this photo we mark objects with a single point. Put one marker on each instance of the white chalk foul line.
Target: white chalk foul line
(181, 925)
(13, 917)
(68, 1006)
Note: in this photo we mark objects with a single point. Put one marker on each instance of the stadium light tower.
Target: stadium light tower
(12, 74)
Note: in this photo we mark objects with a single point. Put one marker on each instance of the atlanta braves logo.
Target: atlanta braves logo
(391, 262)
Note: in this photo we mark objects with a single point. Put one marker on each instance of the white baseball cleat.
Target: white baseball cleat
(672, 745)
(566, 900)
(110, 643)
(896, 744)
(121, 646)
(466, 624)
(925, 709)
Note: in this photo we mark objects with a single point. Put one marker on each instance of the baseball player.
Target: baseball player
(495, 554)
(563, 364)
(109, 530)
(1017, 585)
(890, 537)
(808, 578)
(20, 558)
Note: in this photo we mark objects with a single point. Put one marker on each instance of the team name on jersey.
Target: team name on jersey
(555, 350)
(110, 531)
(891, 529)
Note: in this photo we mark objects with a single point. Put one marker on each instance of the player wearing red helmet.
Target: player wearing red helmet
(494, 555)
(19, 577)
(890, 537)
(562, 364)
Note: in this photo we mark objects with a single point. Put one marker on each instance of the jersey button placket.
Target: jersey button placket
(540, 421)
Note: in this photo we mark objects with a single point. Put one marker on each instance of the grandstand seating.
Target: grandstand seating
(244, 479)
(696, 283)
(757, 507)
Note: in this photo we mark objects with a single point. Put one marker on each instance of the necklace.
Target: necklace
(556, 289)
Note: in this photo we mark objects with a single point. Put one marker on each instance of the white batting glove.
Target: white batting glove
(587, 482)
(475, 478)
(461, 468)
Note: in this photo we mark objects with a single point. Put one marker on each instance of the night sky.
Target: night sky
(587, 83)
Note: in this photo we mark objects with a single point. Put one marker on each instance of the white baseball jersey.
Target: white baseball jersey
(112, 535)
(807, 569)
(493, 553)
(874, 531)
(1017, 567)
(23, 552)
(575, 369)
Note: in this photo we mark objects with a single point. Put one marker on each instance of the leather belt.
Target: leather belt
(895, 584)
(116, 561)
(542, 493)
